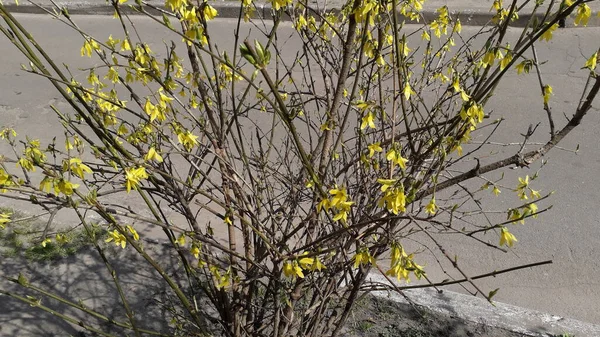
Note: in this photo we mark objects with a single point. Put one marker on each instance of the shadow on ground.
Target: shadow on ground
(83, 278)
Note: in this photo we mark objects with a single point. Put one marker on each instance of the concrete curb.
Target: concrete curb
(231, 9)
(477, 310)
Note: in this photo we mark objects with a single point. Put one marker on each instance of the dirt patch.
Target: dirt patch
(378, 317)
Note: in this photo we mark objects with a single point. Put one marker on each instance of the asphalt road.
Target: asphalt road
(569, 233)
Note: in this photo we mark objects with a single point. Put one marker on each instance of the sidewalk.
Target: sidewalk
(471, 12)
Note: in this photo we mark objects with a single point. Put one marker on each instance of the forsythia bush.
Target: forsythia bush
(292, 179)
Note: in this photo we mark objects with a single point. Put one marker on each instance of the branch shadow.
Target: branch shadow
(83, 278)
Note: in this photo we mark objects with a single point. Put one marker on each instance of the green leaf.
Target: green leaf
(22, 280)
(492, 293)
(167, 21)
(247, 54)
(260, 53)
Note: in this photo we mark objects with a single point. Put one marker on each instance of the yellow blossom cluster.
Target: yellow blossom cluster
(394, 199)
(296, 268)
(338, 202)
(133, 177)
(363, 257)
(403, 264)
(119, 239)
(502, 12)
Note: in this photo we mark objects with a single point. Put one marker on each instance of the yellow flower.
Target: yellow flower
(209, 12)
(363, 257)
(278, 4)
(112, 75)
(404, 48)
(431, 208)
(61, 238)
(523, 67)
(45, 184)
(459, 149)
(506, 60)
(153, 155)
(408, 91)
(368, 120)
(133, 176)
(46, 242)
(125, 46)
(26, 164)
(123, 130)
(181, 240)
(230, 75)
(78, 168)
(112, 43)
(292, 269)
(375, 147)
(310, 263)
(386, 183)
(548, 33)
(456, 84)
(530, 209)
(584, 12)
(66, 187)
(323, 204)
(402, 264)
(164, 99)
(6, 133)
(222, 281)
(497, 5)
(88, 47)
(133, 232)
(464, 96)
(592, 62)
(394, 200)
(176, 4)
(154, 111)
(489, 58)
(395, 157)
(339, 196)
(301, 22)
(458, 26)
(506, 238)
(187, 139)
(547, 93)
(496, 190)
(195, 250)
(116, 237)
(343, 210)
(306, 262)
(523, 183)
(189, 15)
(141, 56)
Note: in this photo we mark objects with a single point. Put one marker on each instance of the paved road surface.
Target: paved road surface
(568, 234)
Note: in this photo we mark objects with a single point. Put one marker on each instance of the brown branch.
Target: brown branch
(490, 274)
(526, 159)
